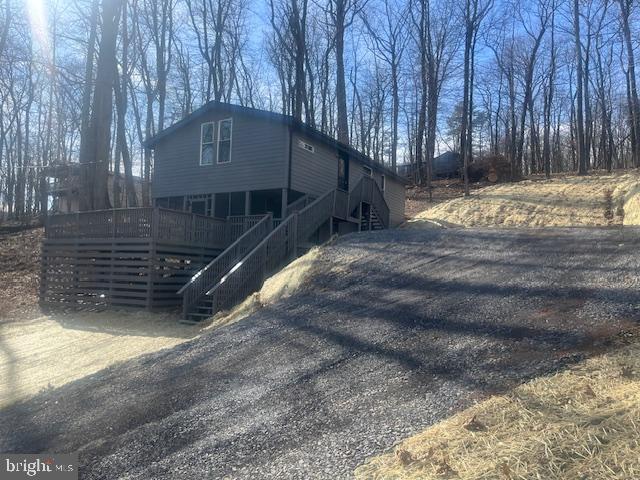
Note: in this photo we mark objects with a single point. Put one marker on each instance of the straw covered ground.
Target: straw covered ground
(582, 423)
(564, 200)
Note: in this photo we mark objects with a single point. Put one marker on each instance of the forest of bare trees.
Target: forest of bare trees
(549, 85)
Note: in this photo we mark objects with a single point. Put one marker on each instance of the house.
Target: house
(226, 160)
(64, 187)
(446, 165)
(238, 193)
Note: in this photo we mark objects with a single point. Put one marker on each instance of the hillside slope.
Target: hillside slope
(563, 201)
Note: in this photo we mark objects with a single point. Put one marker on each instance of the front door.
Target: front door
(343, 172)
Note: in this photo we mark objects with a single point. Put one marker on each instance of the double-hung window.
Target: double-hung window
(206, 143)
(224, 140)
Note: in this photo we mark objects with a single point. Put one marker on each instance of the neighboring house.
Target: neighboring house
(446, 165)
(225, 160)
(64, 187)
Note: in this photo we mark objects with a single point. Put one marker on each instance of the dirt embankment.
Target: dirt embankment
(19, 273)
(594, 200)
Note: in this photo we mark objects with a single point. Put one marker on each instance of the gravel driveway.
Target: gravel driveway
(395, 331)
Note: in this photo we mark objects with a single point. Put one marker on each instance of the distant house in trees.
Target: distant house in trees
(64, 190)
(446, 165)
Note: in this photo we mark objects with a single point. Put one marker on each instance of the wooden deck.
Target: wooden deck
(158, 258)
(136, 257)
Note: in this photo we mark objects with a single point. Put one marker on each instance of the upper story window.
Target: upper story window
(307, 146)
(224, 140)
(206, 143)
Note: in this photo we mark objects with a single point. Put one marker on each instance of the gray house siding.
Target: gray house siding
(315, 173)
(259, 158)
(265, 158)
(394, 194)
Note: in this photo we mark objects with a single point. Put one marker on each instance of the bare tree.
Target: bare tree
(289, 22)
(474, 13)
(95, 161)
(342, 14)
(580, 144)
(390, 43)
(632, 97)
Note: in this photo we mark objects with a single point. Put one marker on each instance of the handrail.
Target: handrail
(196, 289)
(314, 214)
(341, 204)
(238, 224)
(248, 274)
(279, 245)
(367, 190)
(298, 205)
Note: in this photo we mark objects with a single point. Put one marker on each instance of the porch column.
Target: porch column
(247, 203)
(285, 194)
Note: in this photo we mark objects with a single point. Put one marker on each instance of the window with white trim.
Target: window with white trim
(367, 171)
(224, 140)
(206, 143)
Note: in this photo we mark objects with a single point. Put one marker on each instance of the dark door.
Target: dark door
(343, 172)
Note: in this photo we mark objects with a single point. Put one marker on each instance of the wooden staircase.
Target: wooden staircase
(370, 219)
(269, 245)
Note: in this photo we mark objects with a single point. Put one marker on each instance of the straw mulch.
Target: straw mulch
(583, 423)
(563, 201)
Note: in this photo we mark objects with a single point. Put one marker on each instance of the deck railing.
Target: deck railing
(238, 224)
(196, 289)
(314, 215)
(145, 222)
(341, 205)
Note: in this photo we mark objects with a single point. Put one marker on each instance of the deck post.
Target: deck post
(285, 202)
(247, 203)
(155, 220)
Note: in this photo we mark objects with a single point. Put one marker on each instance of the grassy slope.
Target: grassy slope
(595, 200)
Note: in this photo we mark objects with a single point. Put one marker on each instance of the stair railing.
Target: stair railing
(376, 199)
(196, 289)
(315, 214)
(277, 249)
(298, 205)
(368, 191)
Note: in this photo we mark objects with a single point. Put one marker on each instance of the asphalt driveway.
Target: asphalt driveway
(395, 331)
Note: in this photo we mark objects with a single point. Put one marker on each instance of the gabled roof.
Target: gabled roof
(288, 120)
